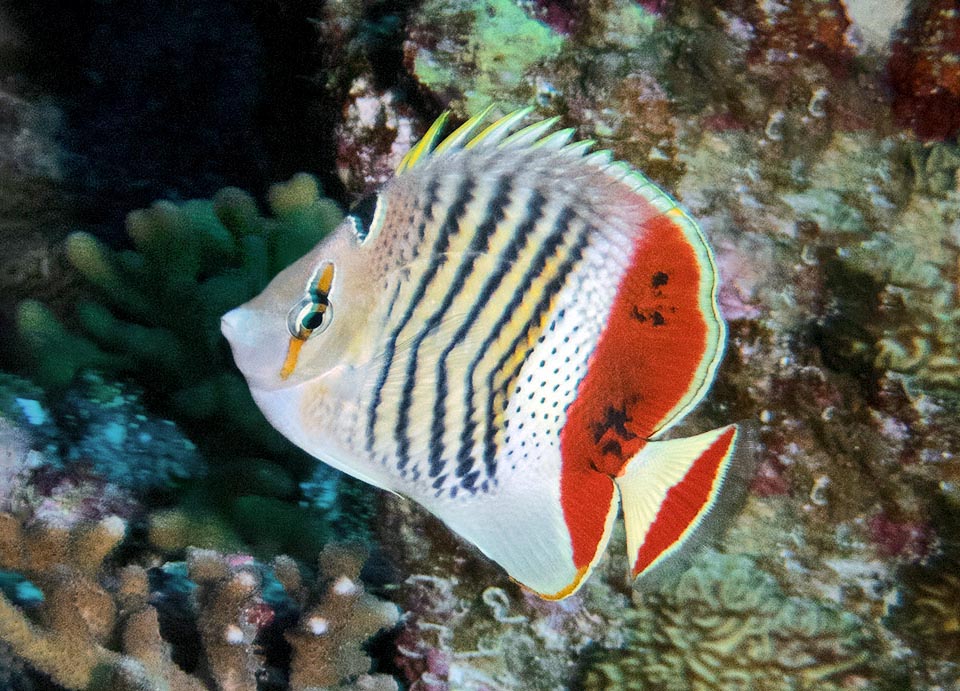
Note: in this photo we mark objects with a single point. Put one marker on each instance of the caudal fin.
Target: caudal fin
(668, 489)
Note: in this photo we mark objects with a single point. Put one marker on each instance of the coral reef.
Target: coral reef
(35, 210)
(727, 624)
(788, 130)
(79, 617)
(100, 626)
(917, 262)
(336, 619)
(377, 131)
(474, 54)
(927, 614)
(159, 315)
(94, 449)
(111, 433)
(925, 73)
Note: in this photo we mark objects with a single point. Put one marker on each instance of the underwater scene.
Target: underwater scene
(708, 251)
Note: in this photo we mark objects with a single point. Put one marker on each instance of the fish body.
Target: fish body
(502, 334)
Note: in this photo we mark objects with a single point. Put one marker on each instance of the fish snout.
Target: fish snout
(230, 324)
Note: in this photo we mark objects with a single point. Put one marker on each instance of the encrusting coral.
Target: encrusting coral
(98, 626)
(727, 624)
(159, 315)
(484, 48)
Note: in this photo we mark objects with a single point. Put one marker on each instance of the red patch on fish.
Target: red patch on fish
(644, 364)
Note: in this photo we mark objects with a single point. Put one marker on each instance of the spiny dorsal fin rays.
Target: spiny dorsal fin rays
(463, 133)
(533, 136)
(578, 149)
(499, 129)
(556, 140)
(600, 158)
(529, 134)
(425, 144)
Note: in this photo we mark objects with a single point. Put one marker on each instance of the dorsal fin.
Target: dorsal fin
(500, 134)
(425, 145)
(463, 133)
(531, 133)
(499, 129)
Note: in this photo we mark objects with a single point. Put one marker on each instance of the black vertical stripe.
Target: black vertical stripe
(433, 188)
(450, 223)
(551, 245)
(550, 290)
(479, 244)
(521, 235)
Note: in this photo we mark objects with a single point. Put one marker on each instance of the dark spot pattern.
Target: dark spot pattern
(615, 419)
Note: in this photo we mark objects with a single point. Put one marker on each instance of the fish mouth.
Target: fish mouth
(239, 327)
(230, 324)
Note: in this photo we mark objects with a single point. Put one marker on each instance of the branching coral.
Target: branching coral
(728, 624)
(337, 617)
(70, 636)
(98, 628)
(159, 315)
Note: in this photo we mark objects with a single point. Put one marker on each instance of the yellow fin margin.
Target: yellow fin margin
(464, 132)
(425, 145)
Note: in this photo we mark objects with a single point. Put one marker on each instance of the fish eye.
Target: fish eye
(366, 215)
(308, 317)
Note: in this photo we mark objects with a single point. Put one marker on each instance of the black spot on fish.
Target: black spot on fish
(638, 315)
(612, 447)
(658, 319)
(615, 419)
(659, 279)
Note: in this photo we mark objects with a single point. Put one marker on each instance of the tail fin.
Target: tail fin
(668, 489)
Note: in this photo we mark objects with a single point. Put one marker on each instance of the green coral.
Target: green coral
(490, 50)
(158, 317)
(727, 624)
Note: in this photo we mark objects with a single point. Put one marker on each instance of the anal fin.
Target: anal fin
(667, 490)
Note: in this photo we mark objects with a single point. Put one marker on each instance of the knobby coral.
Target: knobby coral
(336, 619)
(97, 626)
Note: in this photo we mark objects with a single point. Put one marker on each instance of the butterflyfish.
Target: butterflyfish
(505, 333)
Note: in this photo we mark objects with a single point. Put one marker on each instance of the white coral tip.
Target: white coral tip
(318, 625)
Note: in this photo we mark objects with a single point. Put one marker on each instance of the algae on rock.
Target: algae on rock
(488, 50)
